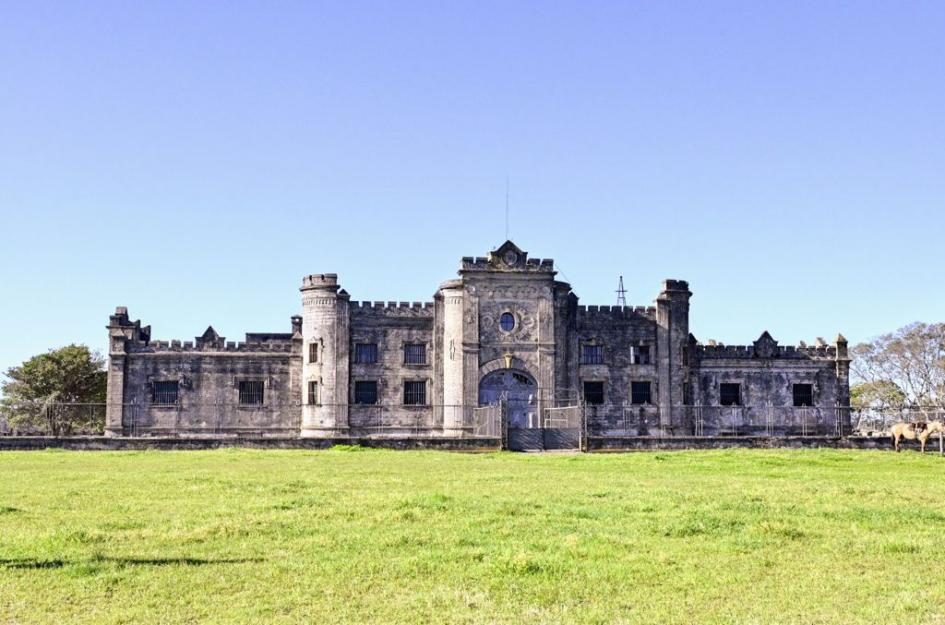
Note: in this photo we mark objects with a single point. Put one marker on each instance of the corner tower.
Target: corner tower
(325, 335)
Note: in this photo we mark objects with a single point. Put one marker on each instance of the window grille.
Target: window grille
(640, 393)
(594, 393)
(522, 379)
(251, 392)
(507, 322)
(593, 355)
(312, 393)
(640, 354)
(365, 353)
(415, 393)
(365, 392)
(803, 395)
(415, 354)
(313, 352)
(730, 394)
(165, 393)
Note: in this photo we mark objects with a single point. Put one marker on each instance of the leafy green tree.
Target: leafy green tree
(55, 391)
(881, 394)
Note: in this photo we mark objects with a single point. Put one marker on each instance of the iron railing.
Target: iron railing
(289, 420)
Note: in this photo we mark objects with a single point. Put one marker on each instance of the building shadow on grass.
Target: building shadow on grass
(32, 563)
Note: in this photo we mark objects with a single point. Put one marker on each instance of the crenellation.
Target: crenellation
(504, 328)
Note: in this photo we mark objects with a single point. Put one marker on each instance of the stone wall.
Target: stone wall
(618, 330)
(391, 326)
(766, 374)
(207, 373)
(465, 341)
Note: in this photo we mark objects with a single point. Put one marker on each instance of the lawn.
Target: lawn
(356, 536)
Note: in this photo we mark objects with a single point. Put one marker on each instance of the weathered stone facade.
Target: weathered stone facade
(506, 328)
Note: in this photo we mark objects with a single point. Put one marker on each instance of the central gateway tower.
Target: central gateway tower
(501, 315)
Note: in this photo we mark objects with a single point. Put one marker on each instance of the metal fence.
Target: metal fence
(459, 421)
(53, 419)
(763, 421)
(879, 421)
(462, 421)
(708, 421)
(182, 419)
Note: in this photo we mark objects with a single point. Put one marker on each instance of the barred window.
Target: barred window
(415, 393)
(594, 393)
(507, 322)
(640, 393)
(165, 393)
(365, 392)
(803, 395)
(365, 353)
(593, 355)
(251, 392)
(313, 352)
(730, 394)
(312, 393)
(640, 354)
(415, 354)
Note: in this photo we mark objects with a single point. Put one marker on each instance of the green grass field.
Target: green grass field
(355, 536)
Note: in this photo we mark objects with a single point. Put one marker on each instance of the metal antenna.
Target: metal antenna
(507, 237)
(621, 293)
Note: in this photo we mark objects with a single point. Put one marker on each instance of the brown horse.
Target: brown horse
(911, 431)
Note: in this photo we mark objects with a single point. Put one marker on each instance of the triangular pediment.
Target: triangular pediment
(210, 338)
(765, 346)
(508, 255)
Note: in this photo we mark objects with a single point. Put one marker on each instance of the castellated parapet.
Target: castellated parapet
(504, 331)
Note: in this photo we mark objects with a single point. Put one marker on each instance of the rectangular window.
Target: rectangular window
(640, 393)
(640, 354)
(165, 393)
(593, 355)
(415, 354)
(313, 352)
(312, 393)
(365, 392)
(594, 393)
(415, 393)
(730, 394)
(803, 395)
(251, 392)
(365, 353)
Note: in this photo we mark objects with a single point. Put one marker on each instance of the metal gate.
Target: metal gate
(529, 426)
(530, 420)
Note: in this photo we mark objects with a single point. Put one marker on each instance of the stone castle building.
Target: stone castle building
(505, 332)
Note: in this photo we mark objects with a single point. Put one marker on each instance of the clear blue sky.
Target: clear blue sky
(193, 161)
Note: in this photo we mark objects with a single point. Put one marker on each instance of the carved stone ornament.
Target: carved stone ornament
(765, 346)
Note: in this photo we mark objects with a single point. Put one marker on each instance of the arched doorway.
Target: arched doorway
(519, 390)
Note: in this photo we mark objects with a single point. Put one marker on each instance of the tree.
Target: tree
(881, 394)
(44, 392)
(910, 360)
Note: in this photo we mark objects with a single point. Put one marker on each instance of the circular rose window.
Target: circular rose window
(507, 322)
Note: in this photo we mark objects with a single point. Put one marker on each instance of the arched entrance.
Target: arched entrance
(518, 389)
